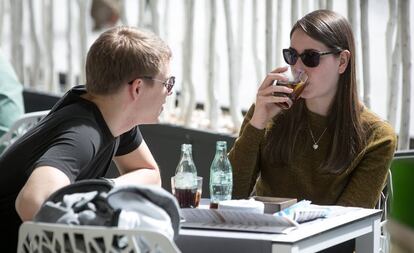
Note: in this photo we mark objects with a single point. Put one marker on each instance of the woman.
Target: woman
(327, 147)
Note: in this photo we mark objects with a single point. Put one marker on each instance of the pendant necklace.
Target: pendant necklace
(315, 143)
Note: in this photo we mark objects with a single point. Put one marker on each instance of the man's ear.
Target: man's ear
(135, 87)
(344, 58)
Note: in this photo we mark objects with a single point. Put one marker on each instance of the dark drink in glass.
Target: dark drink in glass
(297, 86)
(187, 198)
(213, 205)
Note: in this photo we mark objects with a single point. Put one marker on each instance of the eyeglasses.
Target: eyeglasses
(309, 57)
(169, 83)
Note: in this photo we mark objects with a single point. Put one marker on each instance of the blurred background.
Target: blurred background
(222, 50)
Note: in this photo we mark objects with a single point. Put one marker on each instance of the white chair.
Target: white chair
(49, 237)
(383, 205)
(20, 127)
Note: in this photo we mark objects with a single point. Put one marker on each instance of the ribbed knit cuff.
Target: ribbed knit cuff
(252, 136)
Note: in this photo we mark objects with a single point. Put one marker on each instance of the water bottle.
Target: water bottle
(221, 176)
(185, 179)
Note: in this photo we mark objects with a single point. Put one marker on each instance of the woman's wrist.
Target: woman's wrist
(257, 124)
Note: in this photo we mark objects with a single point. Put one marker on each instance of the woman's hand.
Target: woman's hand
(266, 103)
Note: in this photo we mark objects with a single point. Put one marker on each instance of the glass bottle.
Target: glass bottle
(221, 176)
(185, 179)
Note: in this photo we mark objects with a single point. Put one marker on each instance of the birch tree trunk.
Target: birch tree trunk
(329, 4)
(353, 20)
(16, 14)
(212, 87)
(235, 110)
(2, 14)
(393, 59)
(36, 50)
(188, 93)
(123, 14)
(322, 4)
(269, 35)
(255, 51)
(404, 138)
(365, 52)
(352, 15)
(279, 33)
(49, 44)
(239, 41)
(155, 16)
(171, 100)
(294, 11)
(141, 13)
(166, 20)
(395, 80)
(69, 75)
(82, 39)
(315, 4)
(305, 6)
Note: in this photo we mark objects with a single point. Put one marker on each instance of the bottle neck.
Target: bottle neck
(221, 148)
(186, 164)
(186, 153)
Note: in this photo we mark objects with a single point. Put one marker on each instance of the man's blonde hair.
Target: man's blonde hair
(122, 54)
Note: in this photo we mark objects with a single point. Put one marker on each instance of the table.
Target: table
(361, 224)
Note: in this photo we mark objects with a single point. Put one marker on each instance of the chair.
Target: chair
(20, 127)
(50, 237)
(401, 205)
(401, 159)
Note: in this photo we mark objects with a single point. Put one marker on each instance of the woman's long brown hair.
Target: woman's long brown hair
(344, 122)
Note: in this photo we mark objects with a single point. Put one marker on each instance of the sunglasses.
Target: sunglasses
(169, 83)
(309, 57)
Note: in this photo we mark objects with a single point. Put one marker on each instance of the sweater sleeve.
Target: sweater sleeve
(244, 157)
(368, 178)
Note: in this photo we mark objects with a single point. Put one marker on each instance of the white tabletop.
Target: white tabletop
(345, 224)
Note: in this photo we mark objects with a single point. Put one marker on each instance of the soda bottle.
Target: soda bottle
(221, 176)
(185, 179)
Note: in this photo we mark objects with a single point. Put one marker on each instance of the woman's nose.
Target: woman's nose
(299, 65)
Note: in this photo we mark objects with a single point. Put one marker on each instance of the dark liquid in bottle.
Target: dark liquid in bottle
(187, 198)
(297, 87)
(213, 205)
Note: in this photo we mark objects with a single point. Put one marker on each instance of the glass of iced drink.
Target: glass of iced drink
(297, 80)
(188, 195)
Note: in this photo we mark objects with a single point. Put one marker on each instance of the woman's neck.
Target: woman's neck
(319, 105)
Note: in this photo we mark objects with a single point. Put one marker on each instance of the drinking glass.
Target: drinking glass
(187, 197)
(296, 81)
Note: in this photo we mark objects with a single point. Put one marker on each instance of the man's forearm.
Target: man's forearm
(140, 176)
(41, 184)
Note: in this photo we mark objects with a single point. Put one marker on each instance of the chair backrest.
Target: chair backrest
(383, 201)
(48, 237)
(20, 127)
(401, 206)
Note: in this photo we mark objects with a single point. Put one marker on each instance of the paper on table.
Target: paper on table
(304, 211)
(237, 221)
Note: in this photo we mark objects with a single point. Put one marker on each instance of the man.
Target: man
(127, 82)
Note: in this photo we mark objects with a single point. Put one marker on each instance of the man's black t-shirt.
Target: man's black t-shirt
(73, 138)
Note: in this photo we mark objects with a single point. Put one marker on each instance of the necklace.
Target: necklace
(315, 143)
